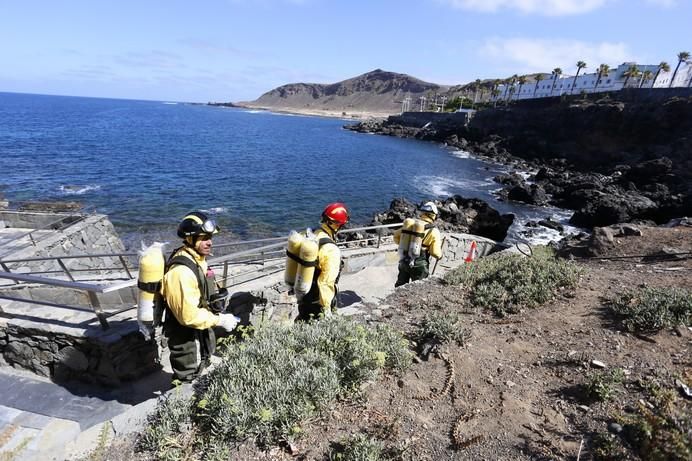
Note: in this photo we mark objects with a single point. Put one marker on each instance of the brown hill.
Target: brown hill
(374, 93)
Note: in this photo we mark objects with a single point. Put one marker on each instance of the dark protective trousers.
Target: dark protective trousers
(408, 273)
(309, 307)
(190, 349)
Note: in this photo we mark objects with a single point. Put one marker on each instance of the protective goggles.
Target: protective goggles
(209, 226)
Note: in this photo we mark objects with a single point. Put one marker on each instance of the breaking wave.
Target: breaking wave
(215, 210)
(77, 190)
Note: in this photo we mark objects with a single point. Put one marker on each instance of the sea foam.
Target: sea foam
(71, 189)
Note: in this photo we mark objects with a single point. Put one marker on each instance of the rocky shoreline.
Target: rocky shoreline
(617, 159)
(457, 214)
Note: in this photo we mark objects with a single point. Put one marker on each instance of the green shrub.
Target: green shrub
(357, 448)
(662, 431)
(601, 384)
(608, 447)
(509, 283)
(443, 328)
(164, 435)
(267, 386)
(649, 310)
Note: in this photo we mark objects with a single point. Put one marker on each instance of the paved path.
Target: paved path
(41, 420)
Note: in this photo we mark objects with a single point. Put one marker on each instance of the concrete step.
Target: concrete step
(41, 420)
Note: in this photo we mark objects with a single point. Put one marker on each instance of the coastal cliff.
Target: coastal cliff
(622, 157)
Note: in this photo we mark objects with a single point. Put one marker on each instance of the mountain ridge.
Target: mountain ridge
(377, 92)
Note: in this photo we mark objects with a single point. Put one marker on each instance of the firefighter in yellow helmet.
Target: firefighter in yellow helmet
(417, 268)
(193, 304)
(321, 298)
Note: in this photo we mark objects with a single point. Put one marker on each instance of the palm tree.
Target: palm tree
(510, 86)
(476, 85)
(632, 71)
(682, 56)
(603, 70)
(555, 73)
(580, 66)
(494, 85)
(522, 82)
(495, 93)
(663, 66)
(512, 89)
(646, 76)
(539, 77)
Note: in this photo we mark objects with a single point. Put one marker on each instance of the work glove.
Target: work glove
(228, 321)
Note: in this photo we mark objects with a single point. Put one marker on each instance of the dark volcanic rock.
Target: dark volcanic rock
(602, 208)
(457, 214)
(623, 156)
(50, 206)
(528, 193)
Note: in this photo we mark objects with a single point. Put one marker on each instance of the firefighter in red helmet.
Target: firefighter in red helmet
(321, 298)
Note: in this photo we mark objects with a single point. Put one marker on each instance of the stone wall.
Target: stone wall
(36, 220)
(120, 354)
(457, 246)
(91, 235)
(420, 119)
(654, 95)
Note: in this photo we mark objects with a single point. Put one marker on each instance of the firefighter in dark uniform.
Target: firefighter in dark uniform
(191, 299)
(419, 268)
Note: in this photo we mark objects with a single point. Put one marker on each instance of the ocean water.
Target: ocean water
(146, 164)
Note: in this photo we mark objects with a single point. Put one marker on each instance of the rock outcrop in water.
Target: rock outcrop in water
(620, 158)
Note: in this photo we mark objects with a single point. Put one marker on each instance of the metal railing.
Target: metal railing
(60, 260)
(91, 289)
(258, 255)
(130, 268)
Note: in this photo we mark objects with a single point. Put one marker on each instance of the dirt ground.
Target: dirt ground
(514, 391)
(514, 386)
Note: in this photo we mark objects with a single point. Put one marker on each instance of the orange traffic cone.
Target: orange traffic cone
(473, 252)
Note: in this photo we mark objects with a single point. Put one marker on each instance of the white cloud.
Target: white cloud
(544, 7)
(526, 55)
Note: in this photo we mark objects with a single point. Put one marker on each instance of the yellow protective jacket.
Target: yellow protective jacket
(180, 289)
(432, 242)
(329, 265)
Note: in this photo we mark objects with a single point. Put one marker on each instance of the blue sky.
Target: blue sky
(235, 50)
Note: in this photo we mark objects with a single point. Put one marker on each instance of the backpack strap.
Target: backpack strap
(428, 229)
(149, 287)
(300, 261)
(325, 240)
(181, 260)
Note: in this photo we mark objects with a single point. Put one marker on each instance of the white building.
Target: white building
(586, 83)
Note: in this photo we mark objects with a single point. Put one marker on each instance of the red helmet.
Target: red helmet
(336, 212)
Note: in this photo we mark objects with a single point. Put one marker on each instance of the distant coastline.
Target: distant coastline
(352, 115)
